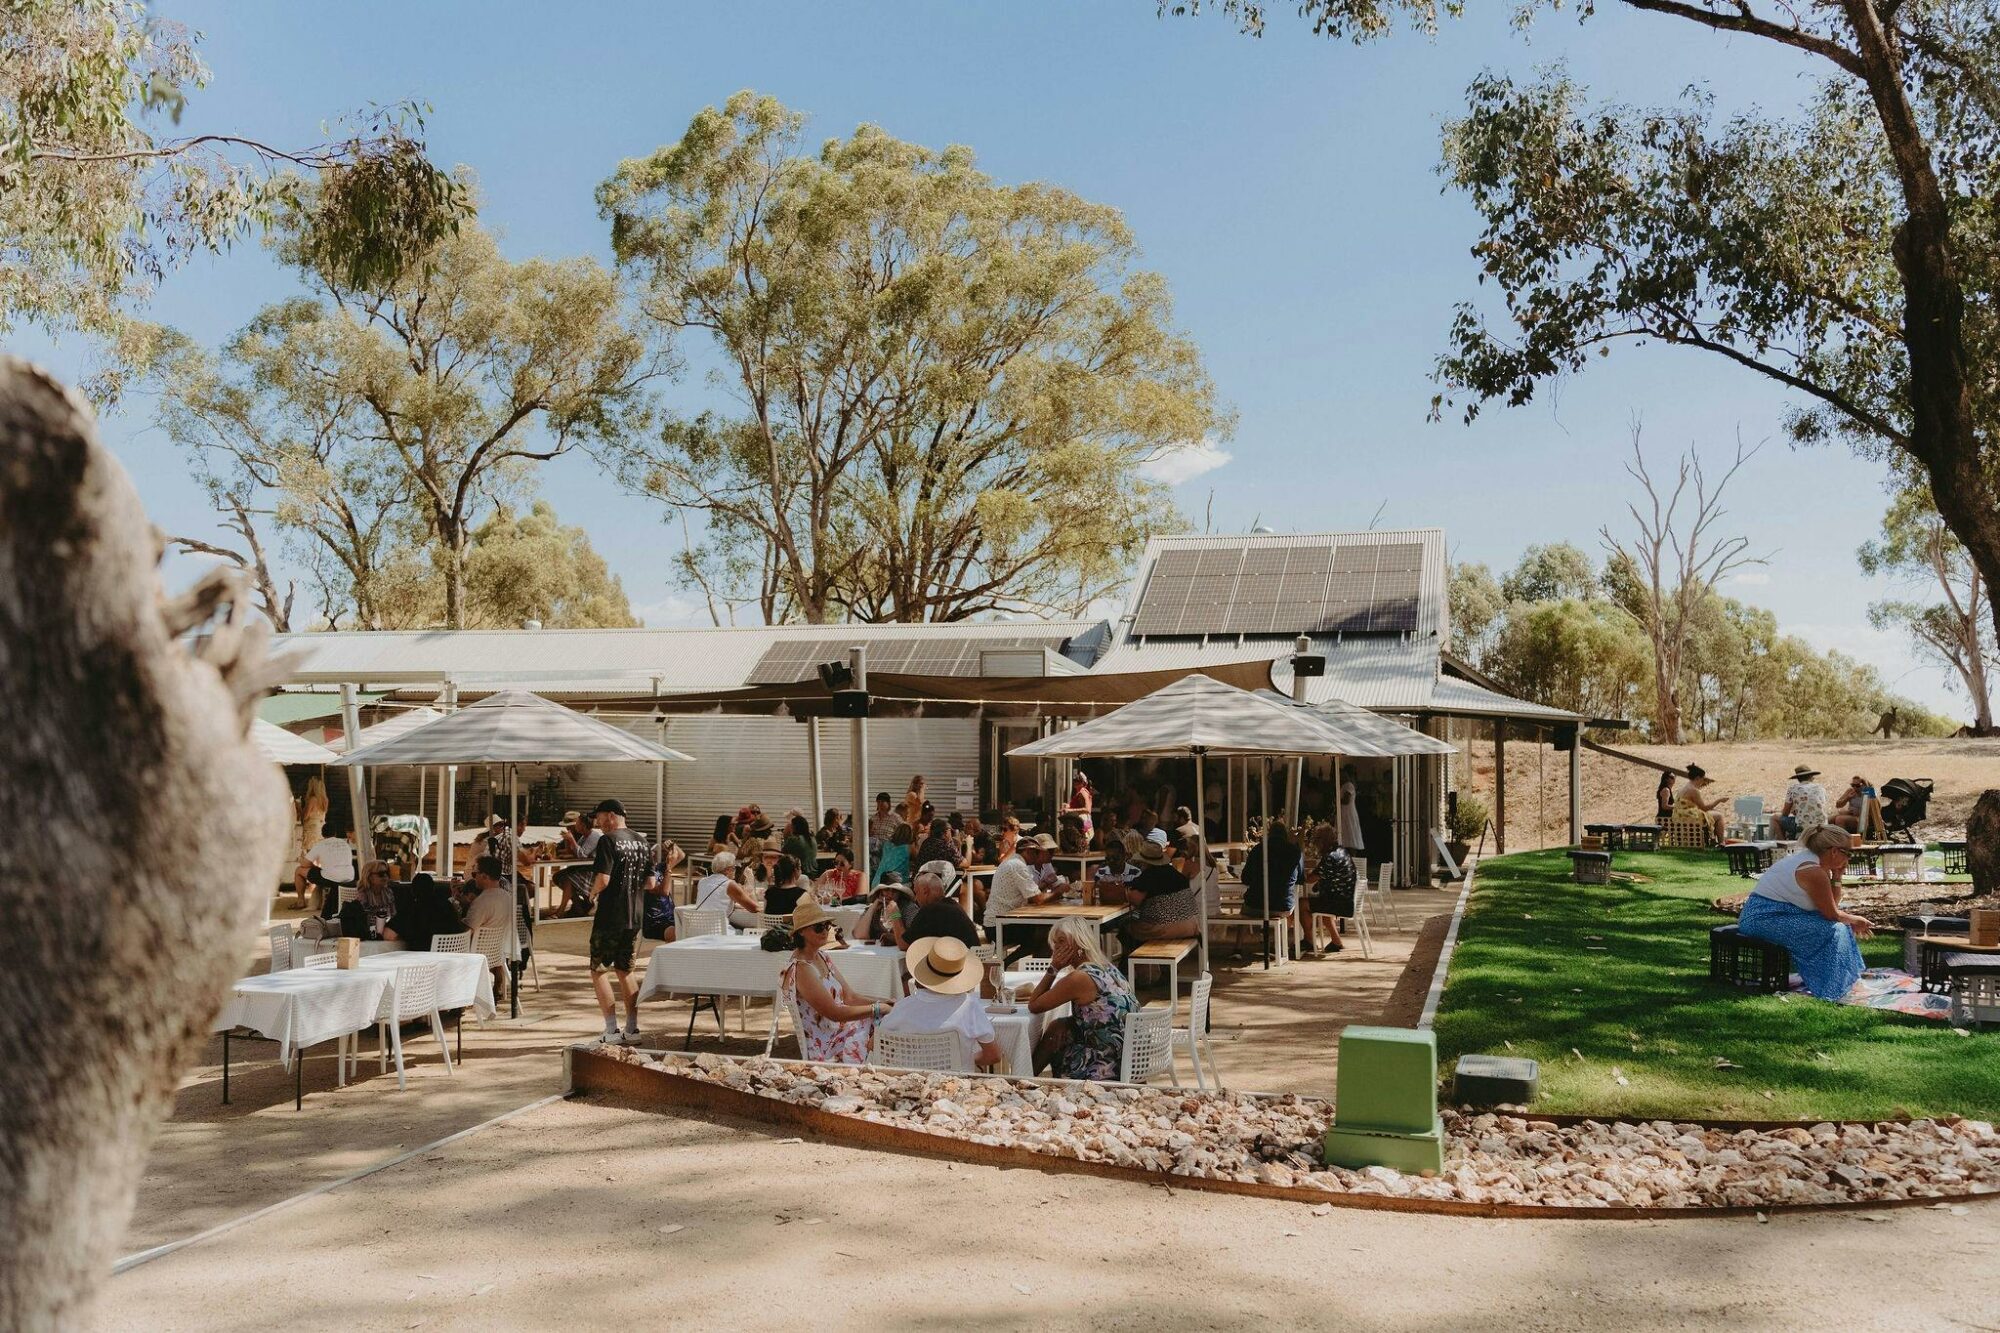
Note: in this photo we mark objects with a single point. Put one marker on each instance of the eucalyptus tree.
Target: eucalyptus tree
(1849, 252)
(1947, 617)
(943, 389)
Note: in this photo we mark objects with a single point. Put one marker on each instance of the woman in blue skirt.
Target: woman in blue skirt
(1797, 904)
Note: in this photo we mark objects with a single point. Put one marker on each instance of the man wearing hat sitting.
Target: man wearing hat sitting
(1015, 884)
(1165, 904)
(579, 843)
(945, 974)
(1805, 804)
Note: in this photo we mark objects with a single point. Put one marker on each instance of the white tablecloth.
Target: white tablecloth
(305, 1006)
(303, 948)
(464, 979)
(737, 965)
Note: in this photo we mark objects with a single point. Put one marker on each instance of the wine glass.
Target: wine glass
(1927, 913)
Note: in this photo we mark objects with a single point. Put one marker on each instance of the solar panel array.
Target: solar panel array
(1356, 588)
(791, 660)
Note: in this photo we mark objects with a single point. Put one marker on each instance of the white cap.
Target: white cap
(1158, 837)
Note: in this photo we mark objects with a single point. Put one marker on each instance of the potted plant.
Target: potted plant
(1467, 821)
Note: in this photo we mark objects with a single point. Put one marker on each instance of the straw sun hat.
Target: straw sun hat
(809, 913)
(943, 964)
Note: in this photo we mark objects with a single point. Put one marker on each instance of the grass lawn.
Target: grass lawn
(1603, 982)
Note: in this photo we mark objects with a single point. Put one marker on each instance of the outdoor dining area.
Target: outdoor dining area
(1086, 910)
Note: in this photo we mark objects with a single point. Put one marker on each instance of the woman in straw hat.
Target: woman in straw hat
(945, 974)
(1796, 903)
(832, 1028)
(1090, 1043)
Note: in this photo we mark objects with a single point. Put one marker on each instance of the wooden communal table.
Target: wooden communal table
(1047, 914)
(1931, 950)
(1081, 860)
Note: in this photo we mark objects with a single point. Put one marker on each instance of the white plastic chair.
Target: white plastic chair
(919, 1050)
(459, 942)
(281, 948)
(324, 958)
(1383, 894)
(411, 994)
(774, 921)
(1149, 1047)
(1195, 1035)
(1749, 810)
(350, 893)
(1360, 918)
(690, 924)
(491, 943)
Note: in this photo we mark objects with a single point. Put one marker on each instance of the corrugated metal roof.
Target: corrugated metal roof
(601, 661)
(1453, 695)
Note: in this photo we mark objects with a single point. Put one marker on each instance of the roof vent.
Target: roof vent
(531, 624)
(1263, 530)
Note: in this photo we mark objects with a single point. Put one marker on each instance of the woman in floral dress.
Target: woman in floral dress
(1090, 1043)
(832, 1028)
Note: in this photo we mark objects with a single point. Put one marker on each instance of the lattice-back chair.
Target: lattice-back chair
(690, 924)
(350, 893)
(324, 958)
(774, 921)
(458, 942)
(919, 1050)
(1149, 1047)
(491, 943)
(1195, 1035)
(412, 994)
(281, 948)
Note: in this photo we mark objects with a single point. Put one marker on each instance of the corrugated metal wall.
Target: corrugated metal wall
(743, 759)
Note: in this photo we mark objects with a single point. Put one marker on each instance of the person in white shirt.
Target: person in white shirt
(718, 891)
(1041, 858)
(1014, 884)
(945, 998)
(329, 864)
(492, 906)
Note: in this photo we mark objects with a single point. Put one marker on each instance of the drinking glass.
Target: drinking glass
(1927, 913)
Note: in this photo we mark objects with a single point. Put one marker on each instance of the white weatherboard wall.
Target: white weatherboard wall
(744, 759)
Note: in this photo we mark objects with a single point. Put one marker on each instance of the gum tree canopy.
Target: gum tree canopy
(1850, 252)
(944, 388)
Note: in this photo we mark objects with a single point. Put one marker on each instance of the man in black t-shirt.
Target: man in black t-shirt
(622, 864)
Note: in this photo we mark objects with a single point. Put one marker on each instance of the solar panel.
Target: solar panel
(1263, 588)
(798, 659)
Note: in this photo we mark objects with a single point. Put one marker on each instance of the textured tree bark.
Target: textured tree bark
(1982, 844)
(139, 826)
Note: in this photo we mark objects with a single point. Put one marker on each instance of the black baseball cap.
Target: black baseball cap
(610, 805)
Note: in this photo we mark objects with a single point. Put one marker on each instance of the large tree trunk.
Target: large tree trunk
(141, 827)
(1982, 844)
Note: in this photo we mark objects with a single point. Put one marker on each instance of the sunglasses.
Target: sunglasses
(820, 925)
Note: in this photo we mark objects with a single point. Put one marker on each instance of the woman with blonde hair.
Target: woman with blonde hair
(1796, 904)
(1090, 1044)
(914, 802)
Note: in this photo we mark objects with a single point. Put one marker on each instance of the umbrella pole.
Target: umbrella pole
(514, 841)
(1264, 801)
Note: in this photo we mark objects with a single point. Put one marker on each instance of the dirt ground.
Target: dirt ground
(1619, 792)
(597, 1212)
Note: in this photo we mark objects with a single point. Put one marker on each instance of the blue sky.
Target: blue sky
(1286, 188)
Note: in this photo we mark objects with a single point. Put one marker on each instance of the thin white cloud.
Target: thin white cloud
(1755, 578)
(672, 610)
(1185, 464)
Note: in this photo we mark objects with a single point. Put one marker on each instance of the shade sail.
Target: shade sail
(512, 727)
(399, 725)
(1199, 714)
(1357, 733)
(282, 747)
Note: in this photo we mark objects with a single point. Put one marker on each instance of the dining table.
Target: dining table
(300, 1008)
(1101, 915)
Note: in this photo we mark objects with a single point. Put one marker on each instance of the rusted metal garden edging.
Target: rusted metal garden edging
(590, 1071)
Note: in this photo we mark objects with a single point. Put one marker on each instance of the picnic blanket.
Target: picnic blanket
(1898, 992)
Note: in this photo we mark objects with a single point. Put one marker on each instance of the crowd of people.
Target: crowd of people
(1805, 808)
(918, 898)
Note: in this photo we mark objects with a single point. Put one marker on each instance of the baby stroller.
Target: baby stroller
(1904, 802)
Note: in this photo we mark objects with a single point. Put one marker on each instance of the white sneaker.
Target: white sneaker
(632, 1038)
(609, 1037)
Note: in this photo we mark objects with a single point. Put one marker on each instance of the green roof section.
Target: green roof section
(298, 706)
